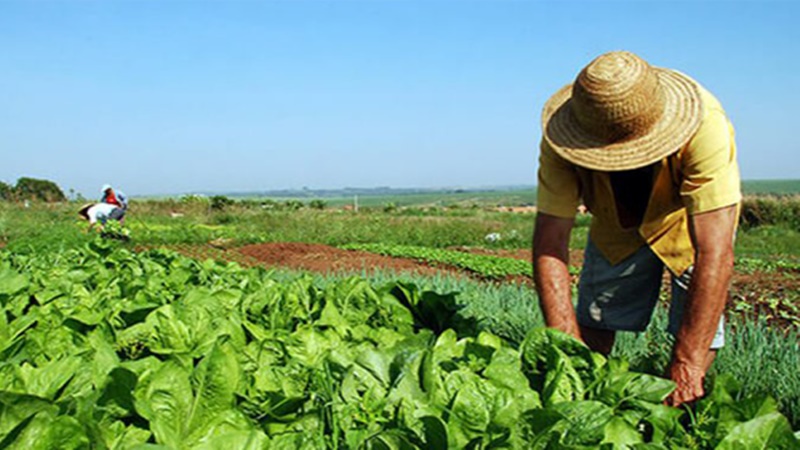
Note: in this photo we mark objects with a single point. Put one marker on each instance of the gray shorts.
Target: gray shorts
(622, 297)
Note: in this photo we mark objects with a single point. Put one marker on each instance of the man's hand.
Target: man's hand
(689, 383)
(550, 273)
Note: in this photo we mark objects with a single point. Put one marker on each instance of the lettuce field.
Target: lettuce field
(134, 345)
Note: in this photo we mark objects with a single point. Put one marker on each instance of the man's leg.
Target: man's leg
(618, 297)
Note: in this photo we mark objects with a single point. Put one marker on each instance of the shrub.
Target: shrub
(317, 204)
(220, 202)
(35, 189)
(6, 191)
(293, 205)
(770, 210)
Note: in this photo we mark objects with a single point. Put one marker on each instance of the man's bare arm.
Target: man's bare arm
(551, 274)
(712, 235)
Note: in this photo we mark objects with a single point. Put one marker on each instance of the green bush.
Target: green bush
(317, 204)
(6, 191)
(771, 210)
(293, 205)
(220, 202)
(33, 189)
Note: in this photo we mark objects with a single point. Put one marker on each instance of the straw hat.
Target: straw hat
(85, 209)
(621, 114)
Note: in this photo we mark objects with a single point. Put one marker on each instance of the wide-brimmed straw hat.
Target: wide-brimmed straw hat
(621, 114)
(83, 211)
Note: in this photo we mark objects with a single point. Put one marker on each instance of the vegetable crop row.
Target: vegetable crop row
(486, 265)
(745, 264)
(103, 348)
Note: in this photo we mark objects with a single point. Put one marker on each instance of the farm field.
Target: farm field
(523, 195)
(402, 327)
(434, 198)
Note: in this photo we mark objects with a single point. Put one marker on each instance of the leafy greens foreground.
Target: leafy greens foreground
(103, 348)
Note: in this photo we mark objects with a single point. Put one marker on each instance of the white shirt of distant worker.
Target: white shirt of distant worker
(101, 212)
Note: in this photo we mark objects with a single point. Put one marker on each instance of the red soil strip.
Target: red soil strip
(327, 259)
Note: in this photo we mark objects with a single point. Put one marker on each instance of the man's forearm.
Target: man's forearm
(551, 276)
(550, 273)
(708, 293)
(712, 237)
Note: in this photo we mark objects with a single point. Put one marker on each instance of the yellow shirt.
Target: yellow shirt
(702, 176)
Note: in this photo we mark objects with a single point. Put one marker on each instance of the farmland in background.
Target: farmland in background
(521, 196)
(499, 196)
(771, 187)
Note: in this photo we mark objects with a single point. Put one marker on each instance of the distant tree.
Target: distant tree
(293, 205)
(220, 202)
(35, 189)
(316, 204)
(6, 191)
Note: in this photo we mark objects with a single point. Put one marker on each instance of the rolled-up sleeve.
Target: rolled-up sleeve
(558, 191)
(710, 172)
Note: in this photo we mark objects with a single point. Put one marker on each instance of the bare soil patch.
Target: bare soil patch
(327, 259)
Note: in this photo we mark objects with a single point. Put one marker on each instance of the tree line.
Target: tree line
(32, 189)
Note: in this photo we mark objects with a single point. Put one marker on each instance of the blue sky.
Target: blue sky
(169, 97)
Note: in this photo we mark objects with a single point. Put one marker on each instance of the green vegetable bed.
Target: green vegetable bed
(107, 349)
(485, 265)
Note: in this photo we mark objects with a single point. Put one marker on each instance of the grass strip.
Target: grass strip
(749, 265)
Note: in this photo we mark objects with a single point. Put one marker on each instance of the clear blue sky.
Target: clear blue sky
(169, 97)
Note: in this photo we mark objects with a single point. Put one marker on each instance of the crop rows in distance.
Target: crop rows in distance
(489, 266)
